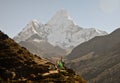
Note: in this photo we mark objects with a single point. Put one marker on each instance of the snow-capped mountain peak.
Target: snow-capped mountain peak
(60, 30)
(32, 24)
(30, 29)
(63, 14)
(61, 17)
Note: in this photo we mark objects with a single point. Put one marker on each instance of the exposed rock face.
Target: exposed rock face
(42, 48)
(17, 64)
(100, 57)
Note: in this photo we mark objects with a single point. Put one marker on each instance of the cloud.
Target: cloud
(109, 6)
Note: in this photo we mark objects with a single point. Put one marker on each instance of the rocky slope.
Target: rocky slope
(19, 65)
(60, 31)
(100, 57)
(42, 48)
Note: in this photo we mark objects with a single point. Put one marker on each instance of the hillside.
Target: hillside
(100, 57)
(19, 65)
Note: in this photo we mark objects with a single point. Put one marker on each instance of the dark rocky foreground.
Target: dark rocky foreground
(19, 65)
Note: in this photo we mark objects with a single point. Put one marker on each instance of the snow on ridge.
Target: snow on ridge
(29, 30)
(30, 24)
(60, 30)
(37, 40)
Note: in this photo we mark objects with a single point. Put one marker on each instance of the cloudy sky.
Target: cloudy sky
(100, 14)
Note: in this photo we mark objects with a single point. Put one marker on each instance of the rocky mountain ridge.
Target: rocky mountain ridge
(60, 31)
(100, 57)
(17, 64)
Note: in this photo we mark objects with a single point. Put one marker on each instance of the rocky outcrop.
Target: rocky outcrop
(17, 64)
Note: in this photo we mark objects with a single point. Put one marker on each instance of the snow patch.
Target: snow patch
(37, 40)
